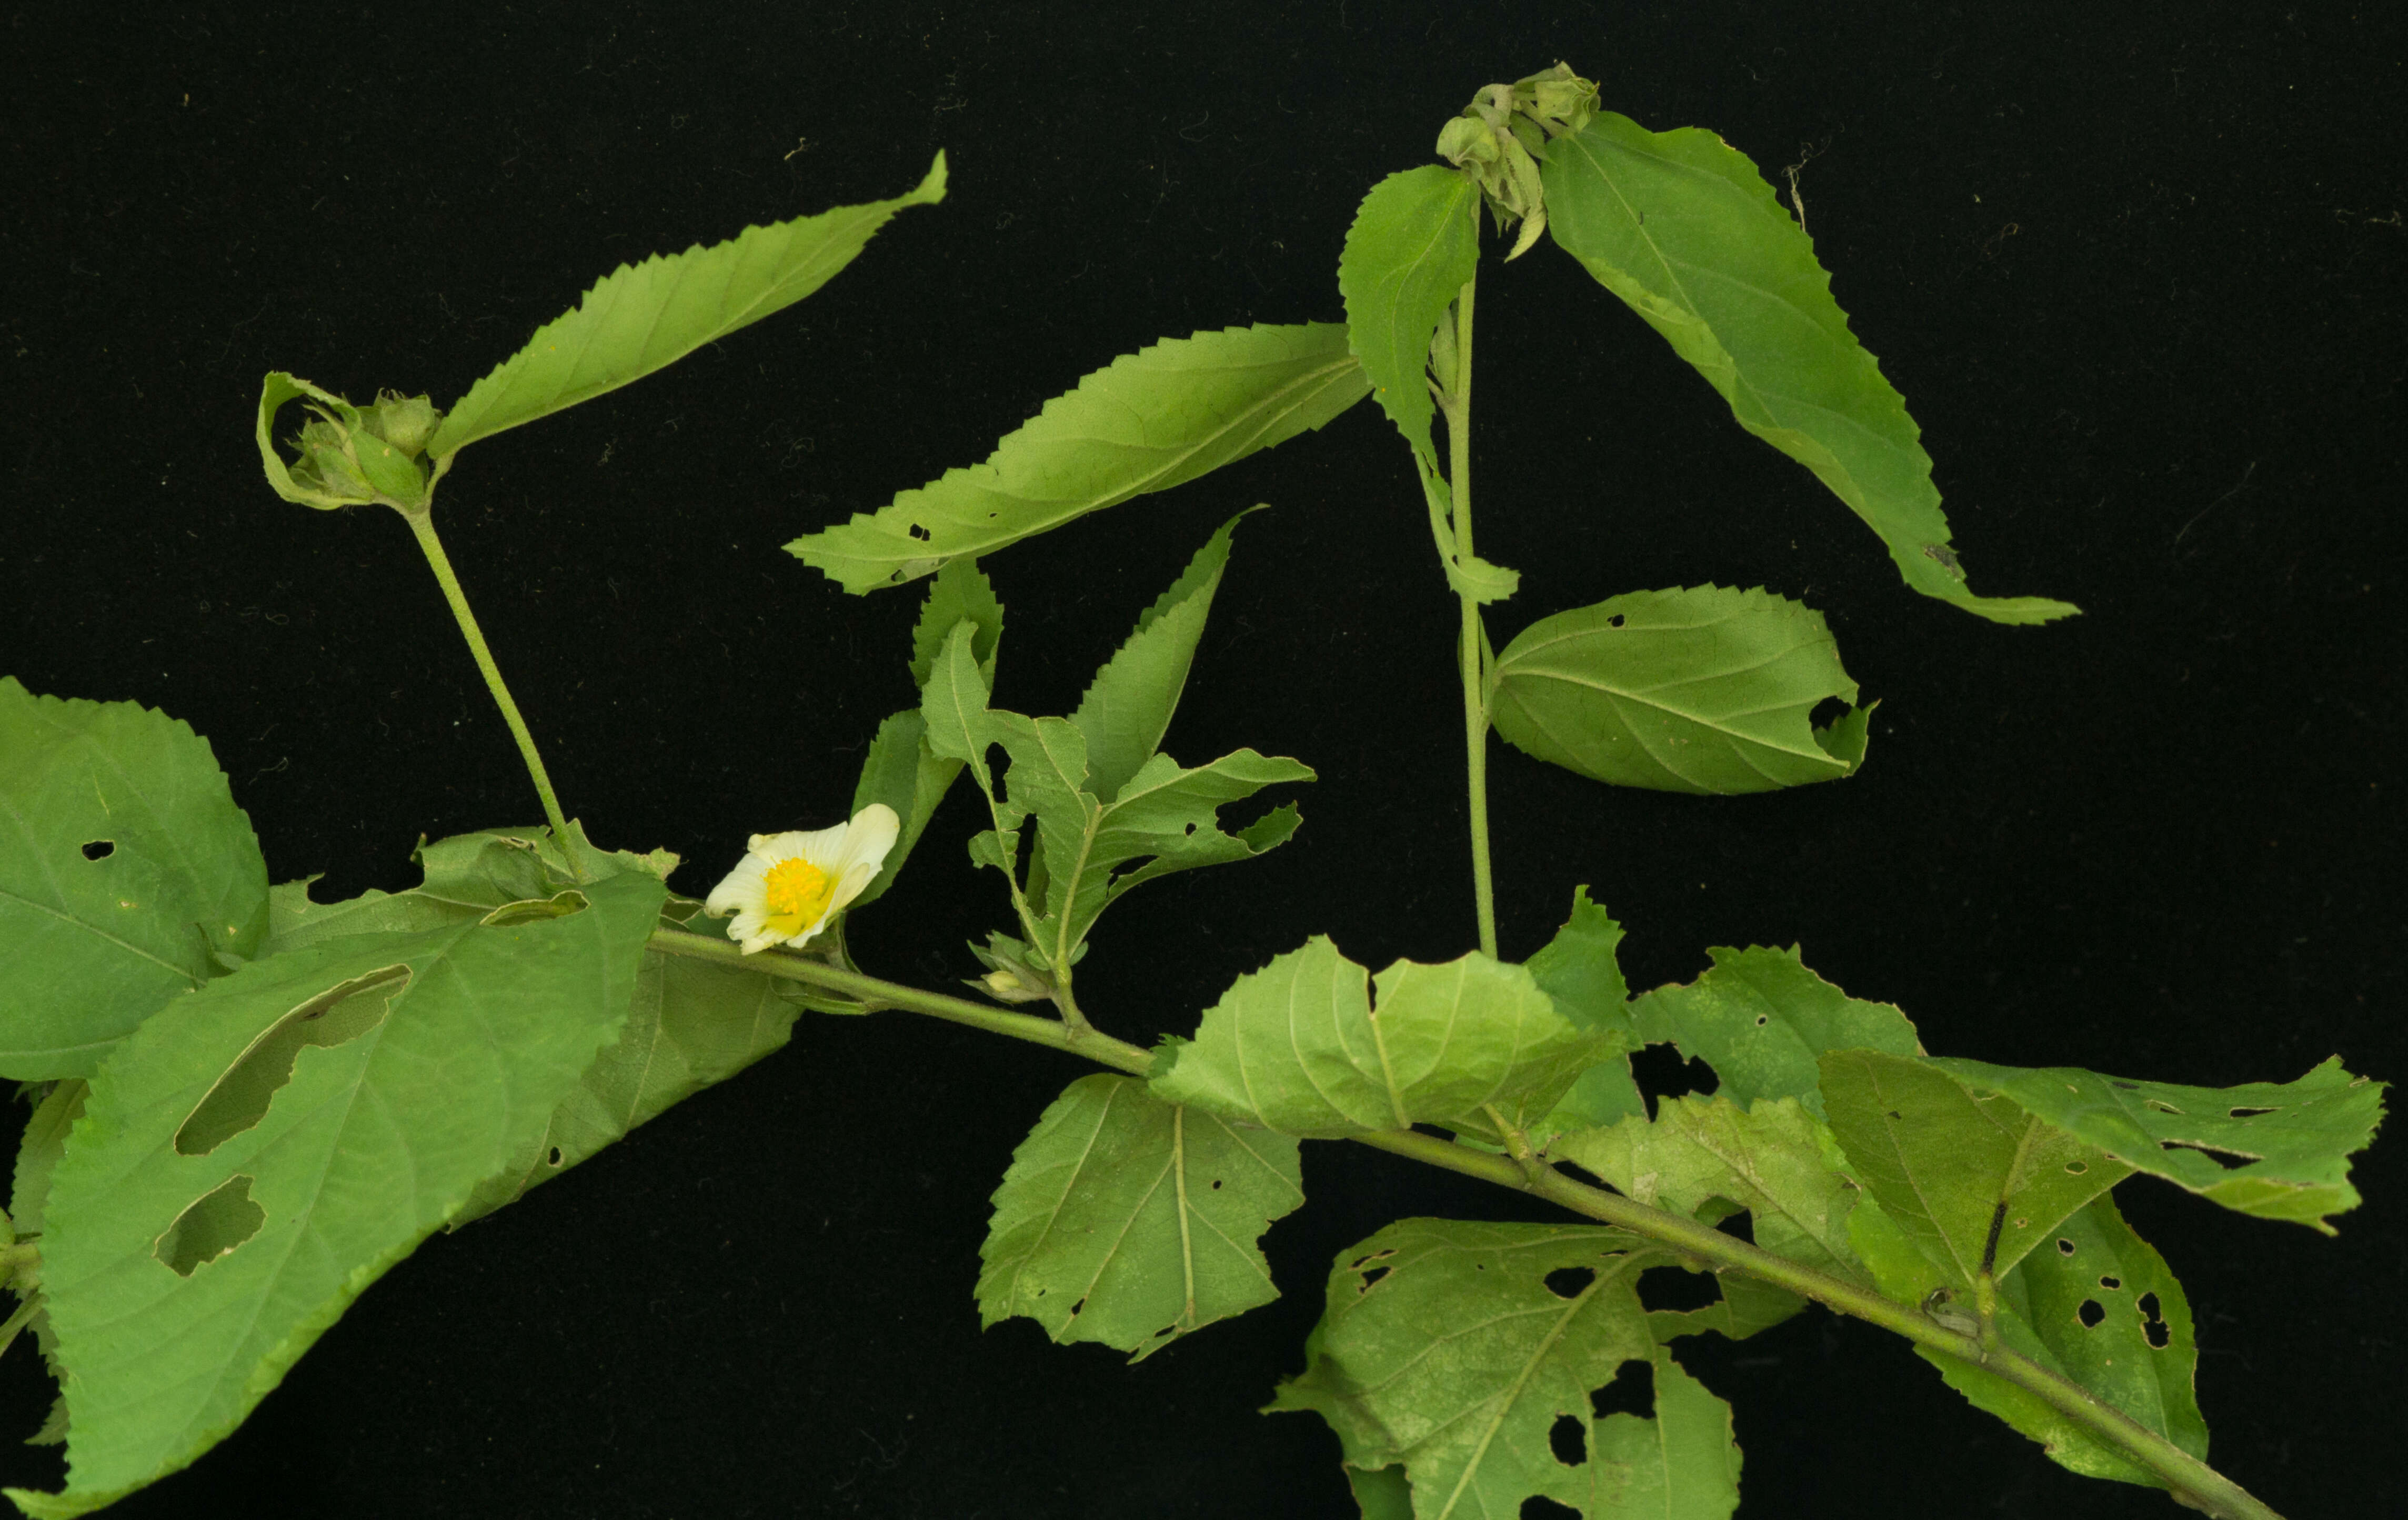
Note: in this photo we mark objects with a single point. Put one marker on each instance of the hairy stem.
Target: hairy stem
(1457, 404)
(2191, 1481)
(422, 523)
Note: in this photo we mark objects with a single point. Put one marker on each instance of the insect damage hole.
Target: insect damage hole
(2153, 1326)
(554, 1157)
(1568, 1439)
(1571, 1282)
(2064, 1246)
(1370, 1278)
(239, 1098)
(1631, 1391)
(210, 1226)
(100, 850)
(1540, 1507)
(2090, 1313)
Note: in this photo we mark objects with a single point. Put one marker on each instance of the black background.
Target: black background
(2137, 270)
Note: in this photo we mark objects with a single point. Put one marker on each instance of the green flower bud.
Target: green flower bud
(405, 421)
(327, 464)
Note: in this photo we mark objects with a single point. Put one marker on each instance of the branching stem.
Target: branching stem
(422, 523)
(2190, 1480)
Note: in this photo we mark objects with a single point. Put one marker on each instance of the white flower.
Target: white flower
(790, 886)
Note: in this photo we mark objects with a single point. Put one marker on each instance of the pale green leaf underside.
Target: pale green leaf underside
(1297, 1046)
(2140, 1356)
(92, 946)
(1704, 690)
(1445, 1348)
(1133, 1223)
(371, 1144)
(647, 316)
(2276, 1150)
(1682, 227)
(1942, 1160)
(1762, 1020)
(1768, 1160)
(1147, 422)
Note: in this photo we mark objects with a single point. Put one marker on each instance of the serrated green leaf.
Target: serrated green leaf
(691, 1025)
(1454, 1349)
(647, 316)
(1577, 970)
(1147, 422)
(1297, 1046)
(2276, 1150)
(1701, 689)
(1414, 241)
(370, 1144)
(1128, 707)
(38, 1151)
(1763, 1021)
(1772, 1159)
(125, 868)
(1684, 229)
(2140, 1362)
(958, 592)
(1944, 1163)
(1747, 1306)
(903, 772)
(1132, 1222)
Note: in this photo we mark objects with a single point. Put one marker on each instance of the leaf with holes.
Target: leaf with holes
(124, 870)
(1684, 229)
(2276, 1150)
(243, 1170)
(1774, 1160)
(1147, 422)
(1298, 1046)
(2095, 1304)
(647, 316)
(1701, 689)
(1472, 1354)
(1132, 1222)
(1970, 1180)
(1762, 1020)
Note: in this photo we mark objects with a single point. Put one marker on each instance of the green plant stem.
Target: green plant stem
(2191, 1480)
(422, 523)
(1456, 403)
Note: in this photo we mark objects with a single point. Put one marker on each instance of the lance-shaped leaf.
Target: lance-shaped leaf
(1682, 227)
(2276, 1150)
(125, 868)
(1414, 242)
(1973, 1181)
(245, 1168)
(1147, 422)
(1763, 1021)
(1703, 689)
(1773, 1160)
(1128, 706)
(1132, 1222)
(1458, 1350)
(1299, 1048)
(901, 770)
(2097, 1305)
(648, 316)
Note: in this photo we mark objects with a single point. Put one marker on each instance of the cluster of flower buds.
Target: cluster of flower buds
(1501, 137)
(347, 455)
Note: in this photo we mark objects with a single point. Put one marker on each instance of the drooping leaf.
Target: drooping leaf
(1147, 422)
(1763, 1021)
(1774, 1160)
(1946, 1163)
(1414, 242)
(647, 316)
(2097, 1305)
(1132, 1222)
(1682, 227)
(691, 1025)
(1701, 689)
(2276, 1150)
(125, 870)
(1456, 1349)
(1127, 708)
(903, 772)
(190, 1262)
(1299, 1048)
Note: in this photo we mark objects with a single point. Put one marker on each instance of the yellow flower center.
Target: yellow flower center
(798, 891)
